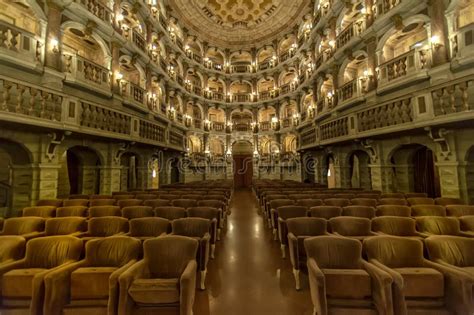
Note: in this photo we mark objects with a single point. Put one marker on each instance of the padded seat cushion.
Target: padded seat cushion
(347, 283)
(17, 283)
(155, 291)
(422, 282)
(91, 283)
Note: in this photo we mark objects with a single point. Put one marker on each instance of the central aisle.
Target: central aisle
(243, 279)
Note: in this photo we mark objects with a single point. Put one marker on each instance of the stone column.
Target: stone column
(382, 177)
(53, 51)
(110, 179)
(450, 180)
(439, 30)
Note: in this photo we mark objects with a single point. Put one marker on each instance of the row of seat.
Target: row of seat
(56, 275)
(395, 278)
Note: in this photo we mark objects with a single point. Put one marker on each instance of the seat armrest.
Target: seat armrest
(293, 245)
(187, 283)
(114, 287)
(32, 235)
(466, 234)
(57, 285)
(126, 279)
(318, 287)
(17, 264)
(381, 288)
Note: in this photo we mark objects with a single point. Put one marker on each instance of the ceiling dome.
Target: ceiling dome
(237, 24)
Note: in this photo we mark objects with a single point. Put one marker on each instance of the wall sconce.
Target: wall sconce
(330, 95)
(171, 113)
(229, 126)
(54, 45)
(207, 125)
(311, 111)
(332, 43)
(118, 76)
(119, 18)
(275, 123)
(256, 155)
(296, 119)
(187, 120)
(436, 41)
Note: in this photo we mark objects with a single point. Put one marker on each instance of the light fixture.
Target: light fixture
(330, 94)
(119, 18)
(436, 41)
(54, 45)
(366, 73)
(418, 45)
(153, 174)
(332, 43)
(118, 76)
(363, 10)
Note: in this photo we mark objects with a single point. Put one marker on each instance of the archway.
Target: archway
(359, 170)
(16, 176)
(309, 169)
(470, 175)
(175, 171)
(415, 171)
(129, 176)
(79, 172)
(243, 163)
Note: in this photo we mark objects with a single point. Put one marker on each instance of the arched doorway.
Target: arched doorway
(360, 170)
(309, 169)
(243, 163)
(16, 177)
(414, 170)
(129, 179)
(175, 171)
(79, 172)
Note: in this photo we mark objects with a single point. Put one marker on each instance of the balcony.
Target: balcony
(20, 46)
(197, 123)
(265, 126)
(86, 73)
(242, 127)
(286, 123)
(288, 87)
(138, 40)
(240, 68)
(407, 68)
(133, 93)
(385, 6)
(241, 97)
(462, 46)
(218, 126)
(284, 56)
(352, 31)
(350, 93)
(98, 9)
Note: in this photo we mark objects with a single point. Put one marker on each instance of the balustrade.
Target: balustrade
(265, 126)
(98, 117)
(345, 36)
(349, 90)
(334, 129)
(20, 44)
(453, 98)
(138, 40)
(241, 97)
(240, 68)
(308, 137)
(462, 43)
(152, 131)
(218, 126)
(384, 6)
(86, 71)
(402, 66)
(30, 101)
(98, 9)
(386, 115)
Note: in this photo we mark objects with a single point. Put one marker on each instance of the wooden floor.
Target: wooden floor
(248, 276)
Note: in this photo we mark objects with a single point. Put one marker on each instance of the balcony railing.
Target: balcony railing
(265, 95)
(138, 40)
(286, 122)
(403, 66)
(133, 92)
(98, 9)
(385, 6)
(462, 42)
(218, 126)
(241, 97)
(240, 68)
(20, 44)
(265, 126)
(354, 29)
(85, 71)
(242, 127)
(102, 118)
(349, 90)
(197, 123)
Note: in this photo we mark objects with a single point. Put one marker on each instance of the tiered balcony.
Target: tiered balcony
(20, 46)
(86, 73)
(98, 9)
(286, 122)
(385, 6)
(241, 97)
(409, 67)
(218, 126)
(240, 68)
(350, 93)
(133, 93)
(323, 11)
(352, 31)
(265, 126)
(463, 44)
(284, 56)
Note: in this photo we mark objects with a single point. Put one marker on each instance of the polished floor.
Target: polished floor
(248, 275)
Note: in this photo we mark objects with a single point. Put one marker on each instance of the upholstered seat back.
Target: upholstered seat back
(65, 226)
(170, 213)
(420, 201)
(395, 252)
(459, 210)
(145, 196)
(287, 212)
(204, 212)
(306, 226)
(448, 201)
(350, 226)
(104, 211)
(40, 211)
(129, 203)
(52, 251)
(184, 203)
(467, 223)
(276, 203)
(438, 225)
(309, 203)
(114, 251)
(151, 227)
(102, 202)
(211, 203)
(399, 226)
(72, 211)
(364, 202)
(332, 252)
(326, 212)
(454, 250)
(393, 195)
(192, 227)
(157, 203)
(76, 203)
(393, 201)
(25, 225)
(168, 256)
(50, 202)
(107, 226)
(137, 212)
(337, 202)
(11, 248)
(393, 210)
(359, 211)
(428, 210)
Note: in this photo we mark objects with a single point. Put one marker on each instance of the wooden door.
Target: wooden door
(243, 171)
